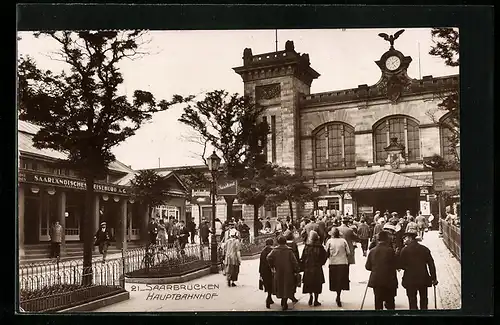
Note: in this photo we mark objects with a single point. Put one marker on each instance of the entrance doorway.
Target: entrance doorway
(49, 215)
(392, 200)
(75, 210)
(32, 214)
(133, 221)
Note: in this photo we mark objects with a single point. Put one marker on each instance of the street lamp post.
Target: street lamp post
(315, 201)
(213, 165)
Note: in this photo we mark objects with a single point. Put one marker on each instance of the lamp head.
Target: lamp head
(213, 162)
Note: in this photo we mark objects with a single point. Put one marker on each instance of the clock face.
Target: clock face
(392, 63)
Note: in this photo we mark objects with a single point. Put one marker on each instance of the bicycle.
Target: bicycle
(154, 255)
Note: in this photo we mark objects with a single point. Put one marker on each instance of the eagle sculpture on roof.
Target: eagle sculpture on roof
(391, 38)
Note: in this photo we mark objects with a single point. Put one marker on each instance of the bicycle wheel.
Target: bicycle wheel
(161, 257)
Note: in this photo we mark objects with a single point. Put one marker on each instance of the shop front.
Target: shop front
(46, 198)
(382, 191)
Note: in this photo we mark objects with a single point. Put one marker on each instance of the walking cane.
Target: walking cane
(364, 296)
(435, 299)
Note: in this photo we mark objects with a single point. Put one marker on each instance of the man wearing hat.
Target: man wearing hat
(382, 262)
(102, 238)
(152, 231)
(312, 225)
(391, 231)
(183, 235)
(419, 270)
(227, 234)
(348, 234)
(394, 218)
(364, 235)
(244, 231)
(204, 232)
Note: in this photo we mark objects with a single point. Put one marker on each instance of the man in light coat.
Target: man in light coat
(56, 234)
(421, 224)
(348, 234)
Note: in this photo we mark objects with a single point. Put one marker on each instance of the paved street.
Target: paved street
(247, 296)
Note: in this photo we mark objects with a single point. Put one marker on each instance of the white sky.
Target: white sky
(191, 62)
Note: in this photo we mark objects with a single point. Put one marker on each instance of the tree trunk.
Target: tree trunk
(200, 217)
(229, 205)
(290, 205)
(255, 220)
(88, 231)
(145, 223)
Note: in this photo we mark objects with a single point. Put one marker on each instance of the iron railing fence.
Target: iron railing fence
(452, 238)
(155, 260)
(55, 286)
(51, 286)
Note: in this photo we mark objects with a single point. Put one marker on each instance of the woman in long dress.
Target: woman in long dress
(338, 253)
(266, 275)
(232, 260)
(162, 234)
(313, 258)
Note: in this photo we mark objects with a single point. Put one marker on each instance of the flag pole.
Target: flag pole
(276, 39)
(419, 67)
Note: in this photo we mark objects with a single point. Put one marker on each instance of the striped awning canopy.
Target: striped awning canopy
(378, 181)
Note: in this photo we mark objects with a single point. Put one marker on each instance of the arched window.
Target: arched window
(448, 149)
(405, 129)
(334, 146)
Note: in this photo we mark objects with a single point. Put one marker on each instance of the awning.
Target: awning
(380, 180)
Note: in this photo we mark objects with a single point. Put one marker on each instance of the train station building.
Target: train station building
(362, 148)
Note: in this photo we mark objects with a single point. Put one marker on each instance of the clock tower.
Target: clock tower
(394, 66)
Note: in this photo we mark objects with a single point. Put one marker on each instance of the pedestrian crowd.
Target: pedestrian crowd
(389, 243)
(170, 233)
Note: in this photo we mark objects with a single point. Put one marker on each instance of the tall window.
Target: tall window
(407, 132)
(273, 138)
(334, 146)
(447, 147)
(264, 119)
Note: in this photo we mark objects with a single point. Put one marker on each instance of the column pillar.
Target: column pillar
(61, 217)
(20, 220)
(122, 225)
(144, 223)
(96, 216)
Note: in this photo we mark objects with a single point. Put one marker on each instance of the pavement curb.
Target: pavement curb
(250, 257)
(171, 279)
(100, 303)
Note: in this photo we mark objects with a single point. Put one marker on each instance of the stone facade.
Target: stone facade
(299, 114)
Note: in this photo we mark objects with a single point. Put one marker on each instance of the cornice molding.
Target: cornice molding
(364, 93)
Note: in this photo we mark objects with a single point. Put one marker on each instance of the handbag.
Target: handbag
(298, 279)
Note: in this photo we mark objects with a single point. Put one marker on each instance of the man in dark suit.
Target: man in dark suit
(382, 263)
(322, 230)
(191, 226)
(417, 262)
(348, 234)
(312, 225)
(152, 232)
